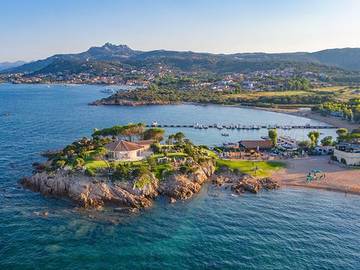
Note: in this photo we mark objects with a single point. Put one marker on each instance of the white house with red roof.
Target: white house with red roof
(128, 151)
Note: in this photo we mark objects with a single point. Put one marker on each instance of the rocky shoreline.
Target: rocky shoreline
(124, 102)
(99, 191)
(96, 192)
(243, 183)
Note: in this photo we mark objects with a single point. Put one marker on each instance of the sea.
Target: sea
(290, 228)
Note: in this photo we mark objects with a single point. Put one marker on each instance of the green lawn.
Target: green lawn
(177, 154)
(97, 164)
(211, 153)
(264, 168)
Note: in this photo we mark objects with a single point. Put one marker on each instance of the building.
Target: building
(130, 151)
(348, 154)
(287, 143)
(146, 143)
(258, 145)
(337, 114)
(324, 150)
(248, 85)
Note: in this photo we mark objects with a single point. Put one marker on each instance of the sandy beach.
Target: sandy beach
(334, 121)
(337, 178)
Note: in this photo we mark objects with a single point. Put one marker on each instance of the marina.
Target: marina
(240, 127)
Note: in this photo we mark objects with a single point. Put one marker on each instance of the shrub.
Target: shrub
(166, 173)
(79, 163)
(152, 163)
(140, 171)
(90, 172)
(184, 169)
(143, 180)
(60, 163)
(326, 141)
(156, 148)
(222, 168)
(122, 172)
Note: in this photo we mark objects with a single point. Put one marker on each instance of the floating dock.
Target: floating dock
(239, 127)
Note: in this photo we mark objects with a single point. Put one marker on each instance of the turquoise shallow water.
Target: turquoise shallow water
(284, 229)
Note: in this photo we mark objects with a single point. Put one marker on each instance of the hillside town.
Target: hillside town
(262, 80)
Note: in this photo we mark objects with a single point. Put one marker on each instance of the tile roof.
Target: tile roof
(122, 146)
(253, 144)
(145, 142)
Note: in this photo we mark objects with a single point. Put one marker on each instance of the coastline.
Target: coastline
(334, 121)
(311, 115)
(338, 190)
(337, 178)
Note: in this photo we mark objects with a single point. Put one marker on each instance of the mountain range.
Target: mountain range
(112, 59)
(9, 65)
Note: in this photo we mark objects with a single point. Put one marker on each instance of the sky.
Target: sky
(36, 29)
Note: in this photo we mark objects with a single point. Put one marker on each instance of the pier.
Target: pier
(240, 127)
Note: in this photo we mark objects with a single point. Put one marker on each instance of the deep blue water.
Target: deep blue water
(284, 229)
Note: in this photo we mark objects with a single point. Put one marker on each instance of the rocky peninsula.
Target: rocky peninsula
(113, 100)
(87, 173)
(98, 191)
(154, 95)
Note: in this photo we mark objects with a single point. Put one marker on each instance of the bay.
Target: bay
(283, 229)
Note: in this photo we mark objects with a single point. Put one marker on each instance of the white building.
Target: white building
(128, 151)
(287, 143)
(324, 150)
(248, 85)
(348, 154)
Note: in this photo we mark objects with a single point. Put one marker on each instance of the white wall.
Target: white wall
(126, 155)
(351, 158)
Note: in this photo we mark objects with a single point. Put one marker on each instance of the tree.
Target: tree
(342, 133)
(127, 131)
(153, 88)
(327, 141)
(156, 134)
(100, 152)
(304, 144)
(132, 130)
(179, 137)
(273, 136)
(170, 139)
(314, 137)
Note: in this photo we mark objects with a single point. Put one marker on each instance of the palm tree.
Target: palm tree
(314, 137)
(342, 133)
(273, 136)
